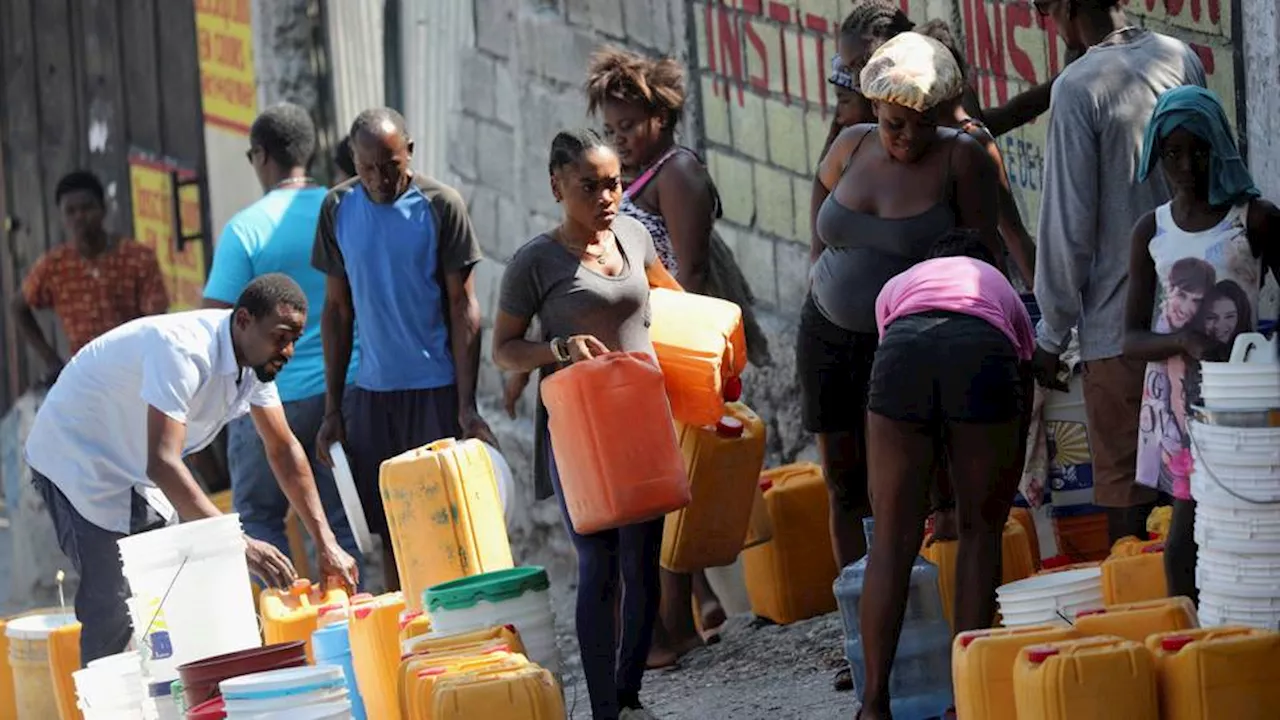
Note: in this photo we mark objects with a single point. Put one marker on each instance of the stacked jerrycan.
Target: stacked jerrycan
(1222, 672)
(982, 667)
(444, 514)
(702, 348)
(921, 674)
(1134, 572)
(1137, 621)
(614, 443)
(1016, 561)
(1101, 678)
(374, 636)
(293, 614)
(724, 465)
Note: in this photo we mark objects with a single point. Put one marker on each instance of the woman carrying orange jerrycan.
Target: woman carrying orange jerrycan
(587, 282)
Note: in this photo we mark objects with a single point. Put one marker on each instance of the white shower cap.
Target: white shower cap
(913, 71)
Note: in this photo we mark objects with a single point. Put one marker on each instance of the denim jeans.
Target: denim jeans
(257, 496)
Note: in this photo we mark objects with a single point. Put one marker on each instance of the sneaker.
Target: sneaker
(636, 714)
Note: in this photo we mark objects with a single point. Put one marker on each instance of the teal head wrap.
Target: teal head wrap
(1199, 111)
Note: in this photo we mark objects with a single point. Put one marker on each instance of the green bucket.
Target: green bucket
(493, 587)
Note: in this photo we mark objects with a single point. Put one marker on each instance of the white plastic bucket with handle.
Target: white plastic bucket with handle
(289, 690)
(1053, 598)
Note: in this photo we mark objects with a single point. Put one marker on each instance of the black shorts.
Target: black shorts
(834, 365)
(938, 367)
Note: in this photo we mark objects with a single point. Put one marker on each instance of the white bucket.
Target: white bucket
(199, 573)
(506, 483)
(529, 611)
(1052, 598)
(328, 711)
(289, 690)
(111, 685)
(1217, 610)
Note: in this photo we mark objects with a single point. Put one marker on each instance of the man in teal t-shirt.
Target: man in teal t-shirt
(275, 235)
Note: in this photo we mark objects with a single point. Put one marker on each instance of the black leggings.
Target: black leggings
(1180, 551)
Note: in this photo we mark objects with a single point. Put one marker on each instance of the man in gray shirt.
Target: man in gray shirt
(1097, 116)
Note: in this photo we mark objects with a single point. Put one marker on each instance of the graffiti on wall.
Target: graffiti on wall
(766, 106)
(151, 185)
(228, 90)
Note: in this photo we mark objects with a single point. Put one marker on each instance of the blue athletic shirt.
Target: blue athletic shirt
(395, 258)
(276, 234)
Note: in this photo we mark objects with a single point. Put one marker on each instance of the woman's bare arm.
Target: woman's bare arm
(688, 208)
(977, 193)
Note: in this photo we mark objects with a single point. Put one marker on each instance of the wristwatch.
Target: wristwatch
(560, 349)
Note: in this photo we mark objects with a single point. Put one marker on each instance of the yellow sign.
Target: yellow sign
(153, 226)
(224, 32)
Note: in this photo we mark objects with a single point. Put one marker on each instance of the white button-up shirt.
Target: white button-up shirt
(90, 435)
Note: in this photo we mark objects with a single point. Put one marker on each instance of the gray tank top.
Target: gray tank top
(864, 251)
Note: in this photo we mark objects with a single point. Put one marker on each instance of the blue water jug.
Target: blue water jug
(920, 681)
(332, 646)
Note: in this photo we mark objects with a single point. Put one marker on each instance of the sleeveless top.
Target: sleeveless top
(1208, 281)
(864, 251)
(654, 222)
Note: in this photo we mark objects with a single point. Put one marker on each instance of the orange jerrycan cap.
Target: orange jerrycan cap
(432, 672)
(409, 617)
(362, 612)
(967, 639)
(1174, 643)
(301, 586)
(1040, 653)
(730, 427)
(732, 388)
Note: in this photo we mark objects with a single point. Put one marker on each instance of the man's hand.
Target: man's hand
(269, 563)
(331, 431)
(336, 566)
(1045, 366)
(512, 389)
(474, 426)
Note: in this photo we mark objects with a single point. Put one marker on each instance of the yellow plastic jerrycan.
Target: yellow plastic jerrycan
(374, 628)
(789, 578)
(454, 642)
(1222, 672)
(413, 624)
(1134, 572)
(1137, 621)
(724, 465)
(444, 515)
(702, 348)
(982, 667)
(1158, 522)
(293, 614)
(1100, 678)
(529, 693)
(419, 675)
(760, 527)
(1016, 562)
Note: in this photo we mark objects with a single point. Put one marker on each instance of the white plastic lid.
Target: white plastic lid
(274, 681)
(37, 627)
(323, 711)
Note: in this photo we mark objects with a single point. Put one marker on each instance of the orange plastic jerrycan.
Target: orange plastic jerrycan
(375, 654)
(724, 469)
(614, 443)
(529, 693)
(702, 348)
(1024, 518)
(1137, 621)
(294, 614)
(1222, 672)
(1134, 572)
(982, 667)
(760, 527)
(444, 515)
(1100, 678)
(790, 577)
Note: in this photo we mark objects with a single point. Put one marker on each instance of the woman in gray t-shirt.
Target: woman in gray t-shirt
(587, 283)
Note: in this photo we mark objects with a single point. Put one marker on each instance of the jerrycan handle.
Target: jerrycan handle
(441, 444)
(1247, 346)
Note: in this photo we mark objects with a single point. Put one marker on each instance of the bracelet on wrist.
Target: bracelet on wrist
(560, 349)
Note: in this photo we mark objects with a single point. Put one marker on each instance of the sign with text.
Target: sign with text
(151, 184)
(224, 32)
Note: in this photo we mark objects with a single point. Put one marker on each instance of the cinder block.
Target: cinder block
(748, 123)
(496, 26)
(774, 201)
(607, 17)
(802, 186)
(496, 146)
(483, 209)
(506, 95)
(479, 84)
(647, 23)
(792, 268)
(762, 46)
(488, 274)
(510, 227)
(817, 127)
(755, 255)
(786, 136)
(737, 191)
(703, 60)
(462, 145)
(715, 113)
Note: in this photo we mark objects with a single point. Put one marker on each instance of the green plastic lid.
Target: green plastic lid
(493, 586)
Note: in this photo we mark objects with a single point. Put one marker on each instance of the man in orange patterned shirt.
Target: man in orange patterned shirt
(94, 281)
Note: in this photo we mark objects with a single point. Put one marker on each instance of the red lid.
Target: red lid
(732, 388)
(1174, 643)
(409, 617)
(1040, 654)
(766, 484)
(969, 637)
(1098, 611)
(361, 597)
(511, 627)
(498, 648)
(432, 672)
(730, 427)
(1157, 548)
(329, 608)
(363, 612)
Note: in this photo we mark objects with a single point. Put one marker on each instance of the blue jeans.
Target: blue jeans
(629, 553)
(257, 496)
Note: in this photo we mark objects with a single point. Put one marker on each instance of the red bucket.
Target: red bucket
(200, 679)
(214, 709)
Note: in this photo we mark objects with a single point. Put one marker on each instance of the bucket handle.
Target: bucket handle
(1245, 345)
(1218, 481)
(160, 607)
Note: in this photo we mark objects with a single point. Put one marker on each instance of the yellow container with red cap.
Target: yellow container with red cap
(723, 463)
(294, 613)
(1222, 672)
(1016, 562)
(1100, 678)
(414, 623)
(455, 643)
(526, 693)
(418, 674)
(702, 349)
(982, 667)
(374, 627)
(1137, 621)
(1133, 572)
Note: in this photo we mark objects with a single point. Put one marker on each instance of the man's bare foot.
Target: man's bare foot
(713, 619)
(665, 656)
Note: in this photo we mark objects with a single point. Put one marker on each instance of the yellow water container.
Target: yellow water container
(1100, 678)
(1016, 562)
(759, 527)
(1134, 572)
(724, 465)
(529, 693)
(413, 623)
(374, 628)
(702, 349)
(789, 578)
(452, 643)
(419, 676)
(1023, 517)
(982, 667)
(293, 614)
(444, 515)
(43, 652)
(1137, 621)
(1222, 672)
(8, 697)
(1158, 522)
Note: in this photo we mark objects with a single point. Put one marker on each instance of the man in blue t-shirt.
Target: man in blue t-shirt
(398, 249)
(275, 235)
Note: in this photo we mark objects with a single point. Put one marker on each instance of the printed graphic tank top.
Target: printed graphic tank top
(1209, 282)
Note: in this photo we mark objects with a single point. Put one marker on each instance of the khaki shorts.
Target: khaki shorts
(1112, 403)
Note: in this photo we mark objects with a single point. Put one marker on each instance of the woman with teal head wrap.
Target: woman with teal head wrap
(1195, 272)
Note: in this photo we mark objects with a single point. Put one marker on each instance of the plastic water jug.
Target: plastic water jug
(292, 614)
(702, 348)
(1016, 562)
(1137, 621)
(789, 578)
(444, 514)
(43, 652)
(414, 623)
(419, 675)
(724, 464)
(1023, 517)
(615, 445)
(332, 646)
(1222, 672)
(1134, 572)
(1100, 678)
(375, 652)
(759, 527)
(453, 643)
(921, 674)
(530, 693)
(517, 597)
(982, 667)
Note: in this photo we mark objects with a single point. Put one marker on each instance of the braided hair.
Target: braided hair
(939, 30)
(569, 146)
(878, 20)
(627, 77)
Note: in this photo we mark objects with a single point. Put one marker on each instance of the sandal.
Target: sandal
(843, 682)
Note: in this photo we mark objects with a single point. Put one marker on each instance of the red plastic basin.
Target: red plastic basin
(200, 679)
